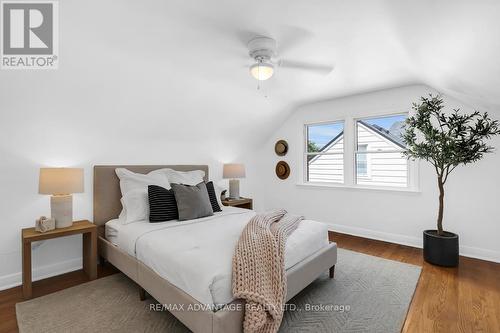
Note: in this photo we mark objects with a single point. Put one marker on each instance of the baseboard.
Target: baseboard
(42, 272)
(478, 253)
(466, 251)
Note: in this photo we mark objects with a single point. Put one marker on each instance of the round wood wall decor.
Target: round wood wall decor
(281, 148)
(282, 170)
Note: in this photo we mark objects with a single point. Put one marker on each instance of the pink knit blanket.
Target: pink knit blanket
(259, 275)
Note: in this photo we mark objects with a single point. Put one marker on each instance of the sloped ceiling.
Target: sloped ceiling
(176, 69)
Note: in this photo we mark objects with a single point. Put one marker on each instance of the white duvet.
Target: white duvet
(196, 255)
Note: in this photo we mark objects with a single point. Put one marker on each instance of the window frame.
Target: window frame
(349, 159)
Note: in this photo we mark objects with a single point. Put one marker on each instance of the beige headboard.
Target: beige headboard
(107, 193)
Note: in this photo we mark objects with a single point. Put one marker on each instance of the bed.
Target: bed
(196, 271)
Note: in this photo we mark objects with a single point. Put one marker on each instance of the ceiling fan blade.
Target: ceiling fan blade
(292, 64)
(289, 37)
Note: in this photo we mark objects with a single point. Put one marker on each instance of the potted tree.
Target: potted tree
(446, 141)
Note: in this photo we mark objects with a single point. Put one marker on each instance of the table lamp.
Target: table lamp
(61, 183)
(232, 172)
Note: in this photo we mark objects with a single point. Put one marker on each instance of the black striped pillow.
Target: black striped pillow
(213, 197)
(162, 204)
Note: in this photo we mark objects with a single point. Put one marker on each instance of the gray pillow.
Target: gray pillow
(192, 201)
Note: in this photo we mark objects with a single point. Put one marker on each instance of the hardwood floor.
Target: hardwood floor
(463, 299)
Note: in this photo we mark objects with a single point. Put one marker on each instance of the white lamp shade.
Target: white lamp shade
(262, 71)
(60, 181)
(233, 171)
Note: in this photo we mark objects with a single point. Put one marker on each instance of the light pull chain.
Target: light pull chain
(259, 81)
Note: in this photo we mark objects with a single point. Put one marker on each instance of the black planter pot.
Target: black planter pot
(441, 250)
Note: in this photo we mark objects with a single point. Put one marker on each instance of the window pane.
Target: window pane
(378, 158)
(361, 161)
(381, 134)
(327, 140)
(382, 169)
(325, 168)
(325, 137)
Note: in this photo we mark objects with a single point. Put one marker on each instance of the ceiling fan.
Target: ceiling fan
(263, 50)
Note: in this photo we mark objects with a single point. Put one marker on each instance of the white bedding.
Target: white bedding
(196, 255)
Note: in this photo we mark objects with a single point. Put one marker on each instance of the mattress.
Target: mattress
(196, 255)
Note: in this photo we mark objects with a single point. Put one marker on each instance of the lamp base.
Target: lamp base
(61, 207)
(234, 188)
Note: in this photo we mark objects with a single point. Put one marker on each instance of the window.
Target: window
(359, 152)
(379, 145)
(324, 152)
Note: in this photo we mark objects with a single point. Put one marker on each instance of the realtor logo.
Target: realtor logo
(29, 35)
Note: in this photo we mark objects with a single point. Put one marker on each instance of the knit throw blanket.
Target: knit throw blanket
(259, 275)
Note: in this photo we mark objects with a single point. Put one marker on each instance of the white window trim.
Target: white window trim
(350, 158)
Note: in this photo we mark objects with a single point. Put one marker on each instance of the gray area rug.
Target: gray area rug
(368, 294)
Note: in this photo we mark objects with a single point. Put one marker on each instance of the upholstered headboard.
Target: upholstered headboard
(107, 192)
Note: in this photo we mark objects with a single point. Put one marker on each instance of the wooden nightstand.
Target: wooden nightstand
(246, 203)
(89, 235)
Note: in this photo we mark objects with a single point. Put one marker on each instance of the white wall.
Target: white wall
(472, 208)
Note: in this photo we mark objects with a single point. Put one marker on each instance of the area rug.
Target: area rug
(368, 294)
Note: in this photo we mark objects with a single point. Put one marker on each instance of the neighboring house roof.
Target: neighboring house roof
(385, 133)
(377, 129)
(326, 146)
(329, 143)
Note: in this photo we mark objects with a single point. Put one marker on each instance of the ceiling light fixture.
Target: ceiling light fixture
(262, 50)
(262, 70)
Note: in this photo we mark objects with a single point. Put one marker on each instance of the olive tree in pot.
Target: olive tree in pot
(446, 141)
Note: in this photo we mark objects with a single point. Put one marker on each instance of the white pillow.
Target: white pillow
(191, 178)
(218, 191)
(130, 180)
(135, 206)
(134, 188)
